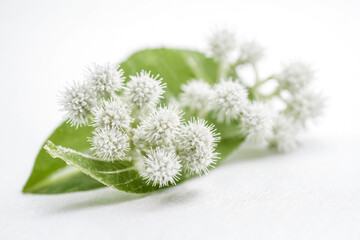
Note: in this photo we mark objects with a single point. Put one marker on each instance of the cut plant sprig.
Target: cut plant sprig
(129, 126)
(134, 144)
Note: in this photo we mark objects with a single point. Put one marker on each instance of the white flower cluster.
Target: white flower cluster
(295, 76)
(302, 103)
(258, 120)
(105, 79)
(129, 125)
(229, 99)
(221, 43)
(78, 100)
(144, 90)
(162, 133)
(250, 52)
(195, 96)
(197, 146)
(223, 46)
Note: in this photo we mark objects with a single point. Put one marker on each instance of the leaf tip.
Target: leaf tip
(50, 148)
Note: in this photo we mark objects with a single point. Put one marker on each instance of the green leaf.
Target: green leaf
(121, 175)
(176, 67)
(51, 175)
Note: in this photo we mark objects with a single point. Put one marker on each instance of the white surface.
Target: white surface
(312, 193)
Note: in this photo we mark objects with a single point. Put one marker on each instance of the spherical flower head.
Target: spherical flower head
(162, 124)
(197, 144)
(110, 143)
(250, 52)
(77, 100)
(112, 113)
(221, 44)
(144, 90)
(305, 105)
(295, 76)
(197, 134)
(139, 138)
(256, 122)
(284, 134)
(229, 99)
(195, 96)
(160, 167)
(105, 79)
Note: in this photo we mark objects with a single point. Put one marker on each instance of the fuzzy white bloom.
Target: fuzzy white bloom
(77, 100)
(305, 105)
(221, 44)
(112, 113)
(160, 167)
(139, 138)
(162, 124)
(250, 52)
(229, 99)
(197, 146)
(144, 90)
(256, 122)
(105, 79)
(284, 134)
(195, 96)
(295, 76)
(109, 143)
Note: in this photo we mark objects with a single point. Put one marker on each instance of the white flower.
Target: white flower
(256, 122)
(284, 134)
(112, 113)
(305, 105)
(197, 146)
(195, 96)
(144, 90)
(109, 143)
(139, 138)
(77, 100)
(229, 99)
(161, 167)
(162, 124)
(295, 76)
(221, 44)
(105, 79)
(250, 52)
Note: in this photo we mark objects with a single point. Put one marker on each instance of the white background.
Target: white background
(312, 193)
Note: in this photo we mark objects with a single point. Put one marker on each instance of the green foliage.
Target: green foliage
(52, 175)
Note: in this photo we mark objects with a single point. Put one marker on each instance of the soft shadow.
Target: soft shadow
(249, 153)
(176, 195)
(108, 197)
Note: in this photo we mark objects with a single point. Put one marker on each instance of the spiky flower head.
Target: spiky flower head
(160, 167)
(162, 124)
(221, 43)
(284, 133)
(305, 105)
(256, 122)
(105, 79)
(112, 113)
(139, 138)
(144, 90)
(195, 96)
(229, 99)
(250, 52)
(110, 143)
(196, 146)
(77, 100)
(295, 76)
